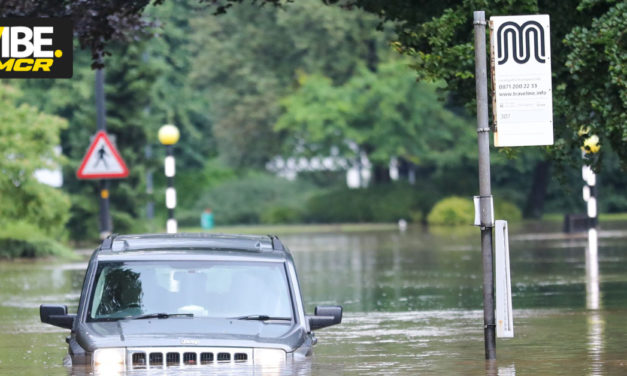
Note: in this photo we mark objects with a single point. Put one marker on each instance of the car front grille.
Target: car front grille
(164, 357)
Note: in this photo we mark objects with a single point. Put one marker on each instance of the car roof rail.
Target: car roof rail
(108, 242)
(276, 243)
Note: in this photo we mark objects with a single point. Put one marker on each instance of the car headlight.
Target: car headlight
(109, 361)
(269, 357)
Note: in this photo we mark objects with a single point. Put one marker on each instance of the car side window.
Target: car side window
(98, 291)
(118, 293)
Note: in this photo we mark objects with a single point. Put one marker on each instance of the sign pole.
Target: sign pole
(486, 216)
(168, 136)
(105, 217)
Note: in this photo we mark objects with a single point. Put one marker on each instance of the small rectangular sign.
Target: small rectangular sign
(36, 48)
(503, 293)
(522, 101)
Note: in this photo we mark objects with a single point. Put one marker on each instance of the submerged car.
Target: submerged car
(183, 300)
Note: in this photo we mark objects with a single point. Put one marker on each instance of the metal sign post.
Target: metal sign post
(102, 160)
(486, 216)
(106, 225)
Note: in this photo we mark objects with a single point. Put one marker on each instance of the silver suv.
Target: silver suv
(190, 300)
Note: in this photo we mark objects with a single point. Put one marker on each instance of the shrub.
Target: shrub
(256, 198)
(280, 215)
(452, 211)
(507, 211)
(125, 223)
(21, 239)
(461, 211)
(27, 139)
(381, 203)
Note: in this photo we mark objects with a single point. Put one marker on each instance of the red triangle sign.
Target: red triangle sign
(102, 161)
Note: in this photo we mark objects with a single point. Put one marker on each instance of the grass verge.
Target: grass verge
(603, 217)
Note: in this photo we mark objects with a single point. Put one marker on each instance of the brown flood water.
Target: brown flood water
(412, 305)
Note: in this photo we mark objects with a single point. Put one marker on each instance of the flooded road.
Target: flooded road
(412, 304)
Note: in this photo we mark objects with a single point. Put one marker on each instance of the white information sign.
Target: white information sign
(522, 103)
(503, 294)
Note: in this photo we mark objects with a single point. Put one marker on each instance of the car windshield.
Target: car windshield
(199, 289)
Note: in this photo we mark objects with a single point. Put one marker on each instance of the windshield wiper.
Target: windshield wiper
(160, 315)
(261, 318)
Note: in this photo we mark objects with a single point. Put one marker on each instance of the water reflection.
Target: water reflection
(592, 271)
(507, 370)
(593, 303)
(493, 369)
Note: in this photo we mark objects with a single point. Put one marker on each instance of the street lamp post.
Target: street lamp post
(168, 136)
(106, 227)
(591, 146)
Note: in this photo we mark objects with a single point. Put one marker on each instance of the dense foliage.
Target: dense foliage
(303, 79)
(597, 67)
(587, 52)
(31, 213)
(244, 72)
(381, 203)
(383, 114)
(452, 211)
(587, 48)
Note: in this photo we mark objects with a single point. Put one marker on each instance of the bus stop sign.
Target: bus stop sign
(522, 104)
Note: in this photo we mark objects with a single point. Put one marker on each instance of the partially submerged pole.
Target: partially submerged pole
(487, 220)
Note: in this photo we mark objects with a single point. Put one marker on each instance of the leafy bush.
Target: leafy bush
(185, 218)
(27, 139)
(21, 239)
(507, 211)
(281, 214)
(452, 211)
(382, 203)
(194, 182)
(125, 223)
(32, 214)
(255, 198)
(457, 210)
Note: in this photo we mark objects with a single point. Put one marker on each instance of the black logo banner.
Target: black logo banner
(36, 48)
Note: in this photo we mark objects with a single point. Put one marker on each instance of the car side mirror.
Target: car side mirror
(56, 315)
(325, 316)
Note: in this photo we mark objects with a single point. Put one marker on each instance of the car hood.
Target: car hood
(182, 331)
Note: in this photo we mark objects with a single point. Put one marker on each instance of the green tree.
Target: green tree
(27, 143)
(438, 35)
(96, 23)
(597, 85)
(587, 52)
(146, 86)
(248, 59)
(32, 214)
(174, 98)
(385, 113)
(129, 81)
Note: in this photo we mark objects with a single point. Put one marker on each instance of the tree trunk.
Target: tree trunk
(535, 200)
(380, 174)
(406, 171)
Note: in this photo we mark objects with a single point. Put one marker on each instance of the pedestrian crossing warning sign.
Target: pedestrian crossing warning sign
(102, 161)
